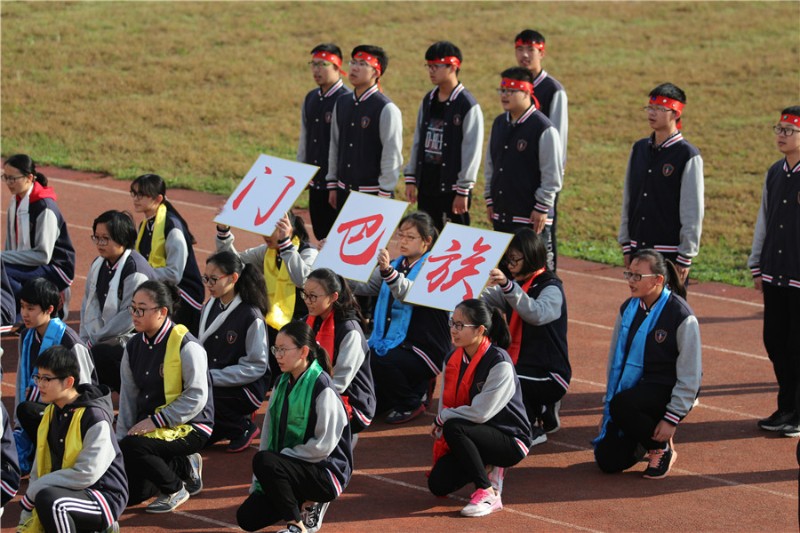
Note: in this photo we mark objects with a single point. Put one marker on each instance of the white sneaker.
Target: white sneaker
(482, 503)
(313, 514)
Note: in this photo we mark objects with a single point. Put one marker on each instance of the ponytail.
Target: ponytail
(479, 313)
(302, 335)
(27, 166)
(674, 281)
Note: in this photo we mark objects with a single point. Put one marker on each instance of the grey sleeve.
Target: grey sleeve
(93, 460)
(251, 365)
(539, 311)
(351, 357)
(559, 116)
(194, 367)
(411, 169)
(85, 363)
(301, 143)
(689, 367)
(121, 323)
(691, 208)
(177, 251)
(331, 421)
(400, 286)
(369, 288)
(127, 398)
(299, 264)
(493, 296)
(333, 149)
(253, 256)
(44, 241)
(759, 234)
(624, 236)
(550, 166)
(83, 333)
(496, 393)
(391, 133)
(471, 146)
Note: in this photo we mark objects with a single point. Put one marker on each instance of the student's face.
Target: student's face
(145, 204)
(647, 286)
(317, 300)
(440, 73)
(289, 356)
(788, 144)
(410, 242)
(219, 283)
(33, 316)
(361, 74)
(515, 101)
(16, 181)
(152, 316)
(660, 117)
(469, 335)
(111, 250)
(325, 73)
(51, 390)
(514, 261)
(529, 57)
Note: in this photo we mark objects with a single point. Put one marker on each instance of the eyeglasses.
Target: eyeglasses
(310, 297)
(511, 261)
(319, 64)
(656, 109)
(407, 237)
(779, 130)
(100, 241)
(44, 379)
(435, 66)
(507, 92)
(360, 64)
(458, 326)
(633, 276)
(139, 311)
(12, 179)
(212, 280)
(280, 352)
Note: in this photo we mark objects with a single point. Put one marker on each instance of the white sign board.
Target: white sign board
(364, 226)
(265, 194)
(458, 267)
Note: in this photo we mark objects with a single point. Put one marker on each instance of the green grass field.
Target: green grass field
(195, 91)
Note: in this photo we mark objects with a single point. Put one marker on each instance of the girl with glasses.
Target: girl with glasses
(166, 409)
(305, 452)
(233, 333)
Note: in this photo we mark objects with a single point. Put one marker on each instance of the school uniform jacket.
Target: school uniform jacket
(462, 140)
(327, 441)
(662, 202)
(523, 167)
(543, 310)
(109, 292)
(366, 150)
(143, 385)
(553, 103)
(99, 469)
(495, 398)
(181, 267)
(315, 129)
(672, 353)
(9, 462)
(776, 242)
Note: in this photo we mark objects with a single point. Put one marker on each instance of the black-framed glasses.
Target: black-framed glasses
(212, 280)
(513, 261)
(780, 130)
(458, 326)
(100, 241)
(633, 276)
(407, 237)
(310, 297)
(280, 352)
(140, 311)
(11, 179)
(44, 379)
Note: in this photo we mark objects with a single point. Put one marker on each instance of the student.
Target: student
(366, 147)
(536, 309)
(775, 265)
(662, 200)
(9, 463)
(106, 323)
(78, 480)
(166, 409)
(38, 301)
(165, 241)
(408, 342)
(530, 51)
(315, 130)
(654, 370)
(234, 336)
(335, 317)
(481, 422)
(446, 150)
(37, 240)
(305, 452)
(523, 166)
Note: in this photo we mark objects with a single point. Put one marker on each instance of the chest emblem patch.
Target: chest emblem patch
(521, 145)
(231, 337)
(660, 335)
(365, 122)
(667, 170)
(456, 120)
(328, 117)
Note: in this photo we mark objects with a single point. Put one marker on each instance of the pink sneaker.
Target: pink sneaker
(482, 502)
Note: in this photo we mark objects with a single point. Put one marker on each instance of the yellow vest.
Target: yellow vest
(281, 292)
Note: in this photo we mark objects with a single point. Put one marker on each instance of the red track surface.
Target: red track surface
(729, 476)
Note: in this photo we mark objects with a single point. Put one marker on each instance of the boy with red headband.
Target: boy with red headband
(446, 151)
(775, 265)
(523, 165)
(315, 130)
(366, 133)
(662, 202)
(529, 46)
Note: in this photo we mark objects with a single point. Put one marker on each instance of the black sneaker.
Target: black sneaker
(312, 516)
(661, 462)
(550, 420)
(539, 436)
(776, 420)
(791, 428)
(243, 441)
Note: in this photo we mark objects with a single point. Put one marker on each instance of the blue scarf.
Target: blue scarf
(626, 373)
(52, 336)
(382, 341)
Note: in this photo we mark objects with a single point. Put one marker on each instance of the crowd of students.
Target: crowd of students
(190, 374)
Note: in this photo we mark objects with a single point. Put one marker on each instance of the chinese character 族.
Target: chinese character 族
(438, 278)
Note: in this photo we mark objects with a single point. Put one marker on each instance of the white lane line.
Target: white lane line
(125, 193)
(208, 520)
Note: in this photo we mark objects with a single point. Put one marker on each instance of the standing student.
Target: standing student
(662, 199)
(481, 421)
(315, 131)
(366, 133)
(529, 47)
(106, 324)
(166, 409)
(165, 241)
(234, 336)
(335, 317)
(775, 265)
(78, 480)
(37, 240)
(446, 150)
(536, 309)
(654, 370)
(523, 165)
(305, 452)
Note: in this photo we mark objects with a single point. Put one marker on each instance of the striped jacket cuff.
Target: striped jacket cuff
(158, 420)
(285, 245)
(672, 418)
(684, 261)
(438, 421)
(384, 194)
(489, 202)
(390, 276)
(541, 208)
(755, 271)
(626, 248)
(26, 503)
(508, 286)
(410, 180)
(222, 235)
(331, 185)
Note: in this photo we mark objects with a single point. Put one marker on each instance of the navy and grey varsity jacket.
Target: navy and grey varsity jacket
(553, 103)
(9, 461)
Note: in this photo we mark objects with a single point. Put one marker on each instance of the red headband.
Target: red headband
(792, 119)
(669, 103)
(328, 56)
(448, 60)
(508, 83)
(369, 60)
(538, 46)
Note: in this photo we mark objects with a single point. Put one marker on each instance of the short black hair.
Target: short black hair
(791, 110)
(530, 35)
(120, 227)
(669, 90)
(61, 361)
(443, 49)
(377, 51)
(532, 247)
(41, 292)
(328, 47)
(518, 73)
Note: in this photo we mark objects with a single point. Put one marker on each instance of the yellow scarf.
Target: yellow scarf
(158, 250)
(173, 384)
(73, 444)
(281, 292)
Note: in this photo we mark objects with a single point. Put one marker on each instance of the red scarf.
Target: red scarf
(456, 393)
(515, 324)
(326, 337)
